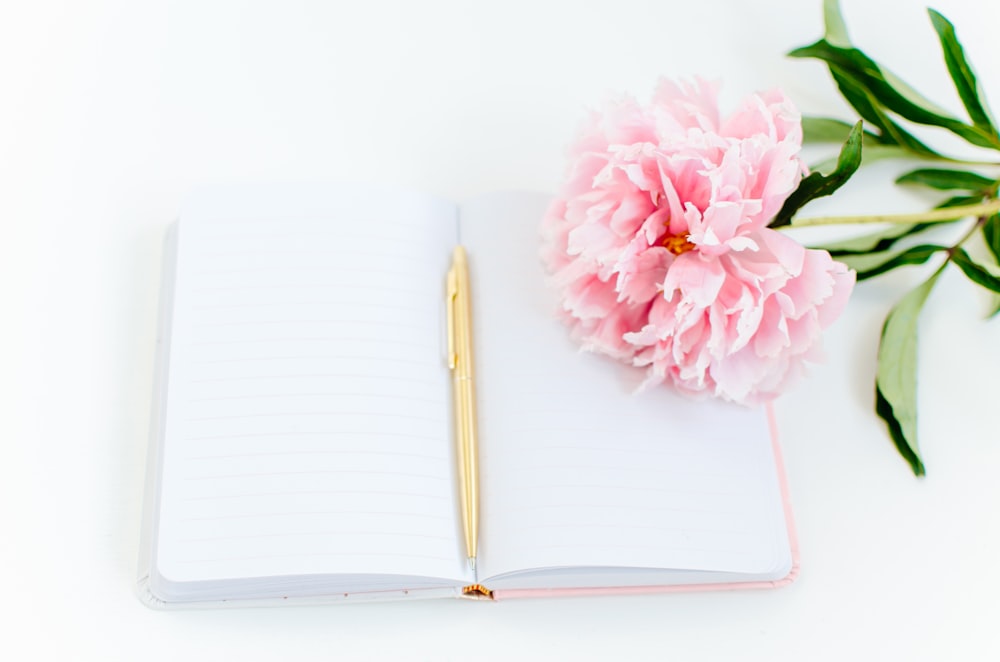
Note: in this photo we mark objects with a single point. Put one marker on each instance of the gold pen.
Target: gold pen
(461, 363)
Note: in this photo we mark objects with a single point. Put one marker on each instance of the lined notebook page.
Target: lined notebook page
(579, 471)
(307, 425)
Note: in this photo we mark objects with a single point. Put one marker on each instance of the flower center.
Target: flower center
(677, 244)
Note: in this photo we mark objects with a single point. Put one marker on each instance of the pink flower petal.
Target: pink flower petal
(659, 248)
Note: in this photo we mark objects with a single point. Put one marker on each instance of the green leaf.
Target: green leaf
(820, 130)
(823, 130)
(896, 377)
(875, 264)
(829, 130)
(887, 91)
(911, 94)
(944, 179)
(863, 263)
(877, 152)
(884, 410)
(866, 105)
(960, 201)
(817, 185)
(975, 272)
(836, 34)
(908, 450)
(833, 20)
(991, 236)
(962, 75)
(870, 154)
(875, 242)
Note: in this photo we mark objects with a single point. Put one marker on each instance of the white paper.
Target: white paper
(308, 425)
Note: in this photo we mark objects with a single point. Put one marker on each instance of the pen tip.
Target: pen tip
(472, 563)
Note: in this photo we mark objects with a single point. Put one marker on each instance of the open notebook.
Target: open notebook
(302, 443)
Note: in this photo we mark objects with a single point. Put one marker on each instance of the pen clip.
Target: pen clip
(452, 295)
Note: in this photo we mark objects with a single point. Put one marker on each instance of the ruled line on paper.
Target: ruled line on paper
(298, 285)
(366, 492)
(312, 219)
(320, 375)
(338, 453)
(311, 304)
(324, 513)
(312, 534)
(326, 394)
(314, 357)
(337, 414)
(309, 433)
(380, 341)
(328, 253)
(334, 251)
(336, 231)
(265, 268)
(318, 472)
(340, 320)
(366, 553)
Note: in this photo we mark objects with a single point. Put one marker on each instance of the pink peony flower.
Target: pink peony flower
(660, 249)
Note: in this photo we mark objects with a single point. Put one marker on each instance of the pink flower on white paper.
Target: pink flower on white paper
(659, 246)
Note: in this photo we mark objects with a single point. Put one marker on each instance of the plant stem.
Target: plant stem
(972, 230)
(932, 216)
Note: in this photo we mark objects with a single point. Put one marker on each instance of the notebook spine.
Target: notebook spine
(477, 592)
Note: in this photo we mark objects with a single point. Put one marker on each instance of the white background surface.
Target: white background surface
(111, 111)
